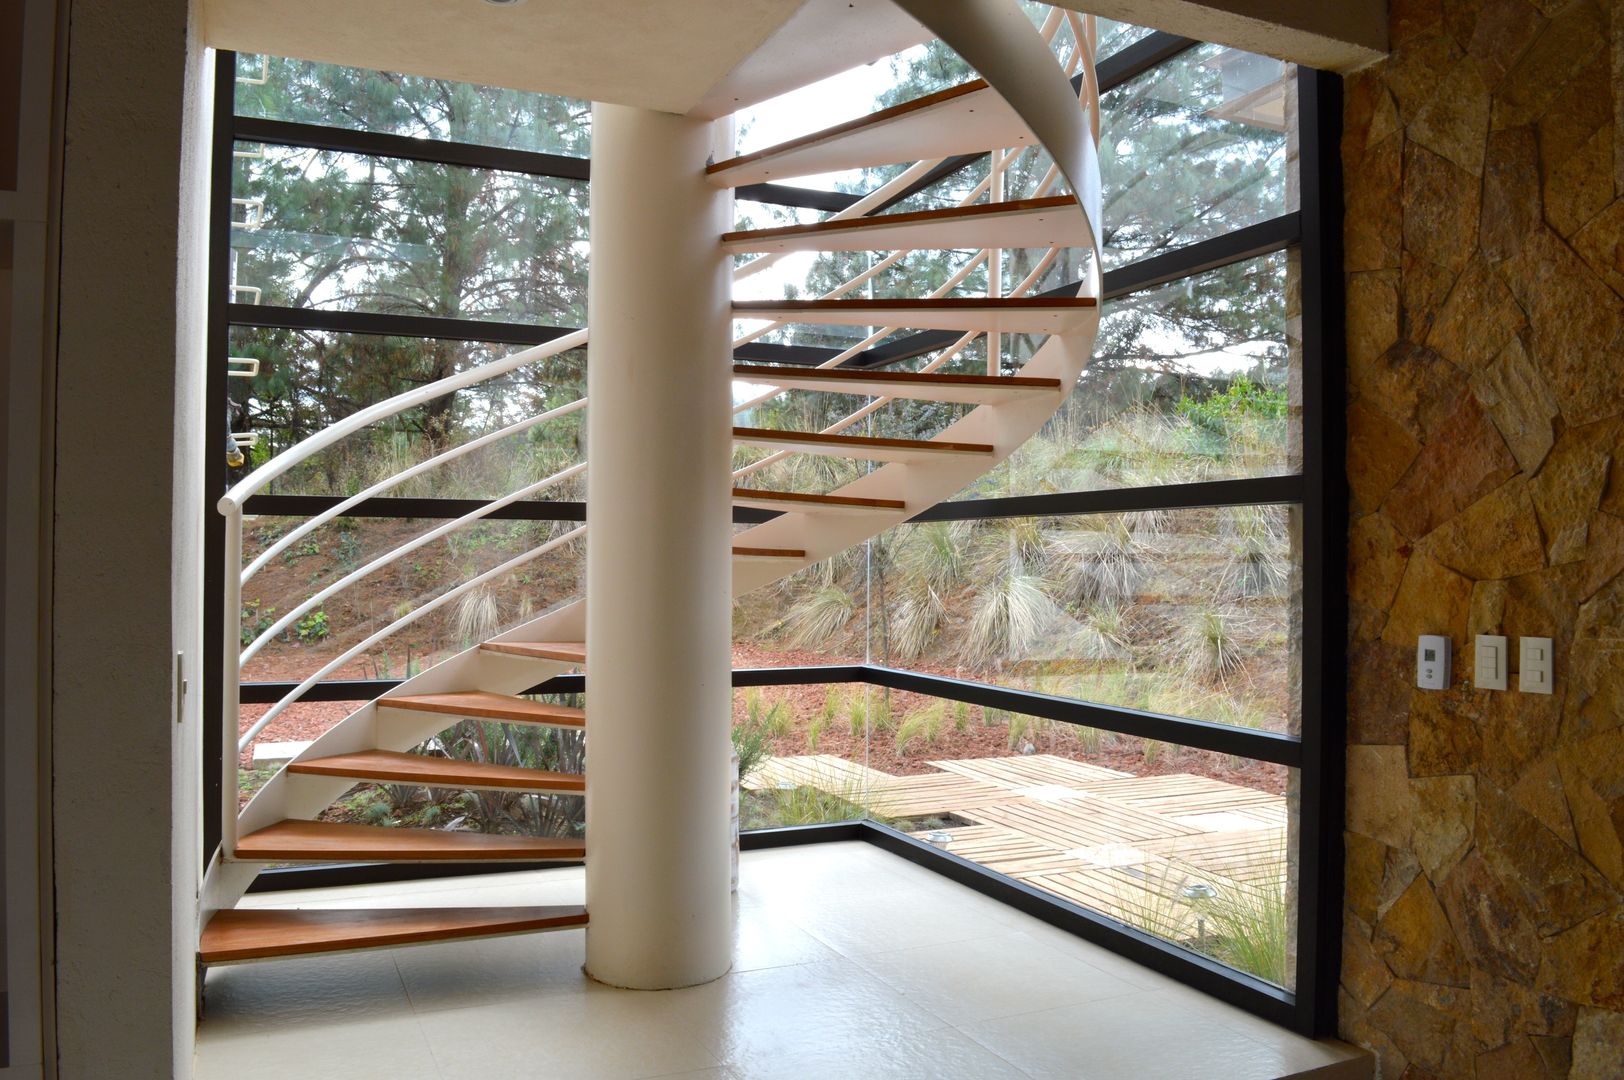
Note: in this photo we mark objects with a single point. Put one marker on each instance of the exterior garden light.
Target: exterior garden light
(939, 836)
(1195, 894)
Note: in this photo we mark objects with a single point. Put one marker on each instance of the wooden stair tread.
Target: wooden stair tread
(327, 841)
(395, 767)
(569, 652)
(1017, 223)
(769, 553)
(483, 705)
(1004, 315)
(801, 500)
(929, 386)
(961, 119)
(263, 933)
(865, 447)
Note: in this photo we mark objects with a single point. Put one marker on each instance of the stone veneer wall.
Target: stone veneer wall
(1484, 915)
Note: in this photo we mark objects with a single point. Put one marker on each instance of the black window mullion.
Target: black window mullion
(1324, 532)
(269, 316)
(1247, 491)
(384, 144)
(1177, 730)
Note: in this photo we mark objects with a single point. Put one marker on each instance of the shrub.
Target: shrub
(819, 617)
(814, 732)
(912, 727)
(258, 620)
(313, 627)
(750, 743)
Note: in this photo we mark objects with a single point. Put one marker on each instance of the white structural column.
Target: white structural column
(658, 557)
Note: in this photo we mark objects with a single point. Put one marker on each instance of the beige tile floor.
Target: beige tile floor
(850, 963)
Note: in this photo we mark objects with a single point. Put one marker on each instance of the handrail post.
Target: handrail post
(230, 678)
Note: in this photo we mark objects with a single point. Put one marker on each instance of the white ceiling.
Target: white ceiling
(657, 54)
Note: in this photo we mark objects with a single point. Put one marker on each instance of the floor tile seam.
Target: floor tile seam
(1004, 933)
(534, 996)
(1281, 1050)
(713, 1059)
(896, 986)
(994, 1052)
(1193, 1002)
(736, 970)
(428, 1046)
(854, 956)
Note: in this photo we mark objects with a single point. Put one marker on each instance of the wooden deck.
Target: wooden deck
(1132, 847)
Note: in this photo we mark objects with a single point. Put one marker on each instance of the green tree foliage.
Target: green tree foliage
(1190, 150)
(374, 234)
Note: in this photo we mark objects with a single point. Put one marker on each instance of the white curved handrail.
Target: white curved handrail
(404, 549)
(294, 535)
(327, 436)
(247, 738)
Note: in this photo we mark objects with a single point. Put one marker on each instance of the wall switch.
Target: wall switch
(1489, 662)
(1432, 662)
(1534, 665)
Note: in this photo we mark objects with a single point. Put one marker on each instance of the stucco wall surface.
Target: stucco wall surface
(124, 591)
(1484, 909)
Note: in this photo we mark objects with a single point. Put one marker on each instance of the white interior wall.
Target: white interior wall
(128, 504)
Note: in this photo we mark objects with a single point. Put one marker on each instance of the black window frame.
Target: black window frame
(1313, 232)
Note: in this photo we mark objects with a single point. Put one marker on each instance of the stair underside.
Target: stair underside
(962, 119)
(1027, 223)
(822, 38)
(1008, 315)
(391, 766)
(483, 705)
(567, 652)
(862, 447)
(324, 841)
(968, 389)
(803, 501)
(262, 934)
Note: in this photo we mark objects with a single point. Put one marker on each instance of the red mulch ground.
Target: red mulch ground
(284, 581)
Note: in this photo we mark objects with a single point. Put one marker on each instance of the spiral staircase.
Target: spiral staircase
(1034, 95)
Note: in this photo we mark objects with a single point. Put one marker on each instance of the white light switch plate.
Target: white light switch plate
(1534, 665)
(1432, 662)
(1489, 662)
